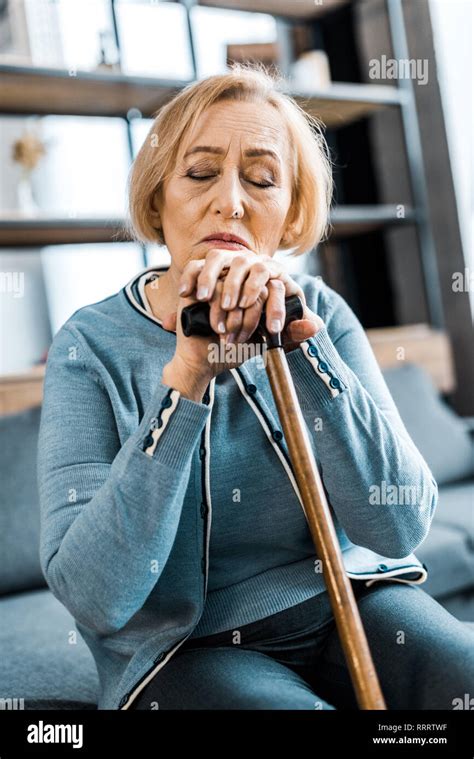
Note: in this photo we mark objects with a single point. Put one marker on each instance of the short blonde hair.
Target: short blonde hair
(308, 219)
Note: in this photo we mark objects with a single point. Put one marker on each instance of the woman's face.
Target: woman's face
(228, 181)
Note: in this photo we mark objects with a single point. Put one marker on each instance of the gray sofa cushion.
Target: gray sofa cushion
(19, 508)
(39, 663)
(449, 560)
(437, 431)
(456, 508)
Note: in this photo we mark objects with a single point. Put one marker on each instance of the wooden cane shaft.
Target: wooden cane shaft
(316, 508)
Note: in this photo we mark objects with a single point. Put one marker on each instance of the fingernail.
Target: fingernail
(226, 301)
(275, 325)
(202, 292)
(182, 288)
(221, 327)
(231, 337)
(243, 301)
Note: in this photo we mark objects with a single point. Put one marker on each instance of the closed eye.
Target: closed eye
(200, 179)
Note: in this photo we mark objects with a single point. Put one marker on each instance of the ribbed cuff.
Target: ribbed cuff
(315, 364)
(177, 423)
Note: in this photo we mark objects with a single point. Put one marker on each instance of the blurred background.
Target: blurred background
(80, 81)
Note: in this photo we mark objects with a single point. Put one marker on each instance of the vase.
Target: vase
(26, 200)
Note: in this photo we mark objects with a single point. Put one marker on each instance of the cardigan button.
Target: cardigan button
(277, 434)
(123, 701)
(159, 658)
(323, 367)
(312, 350)
(148, 441)
(382, 567)
(252, 389)
(166, 402)
(334, 382)
(202, 452)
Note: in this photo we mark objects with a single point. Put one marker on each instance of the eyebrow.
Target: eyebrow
(250, 153)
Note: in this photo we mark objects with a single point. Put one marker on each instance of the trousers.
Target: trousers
(423, 656)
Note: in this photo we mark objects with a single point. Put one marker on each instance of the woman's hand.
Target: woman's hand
(249, 282)
(194, 363)
(236, 287)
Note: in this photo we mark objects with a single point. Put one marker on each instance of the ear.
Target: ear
(154, 212)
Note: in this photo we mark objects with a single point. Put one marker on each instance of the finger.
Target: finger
(251, 317)
(275, 308)
(238, 271)
(189, 275)
(215, 261)
(234, 323)
(301, 329)
(217, 315)
(258, 275)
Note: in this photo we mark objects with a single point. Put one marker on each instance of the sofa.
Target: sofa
(45, 664)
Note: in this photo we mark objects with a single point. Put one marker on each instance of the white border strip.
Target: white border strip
(165, 417)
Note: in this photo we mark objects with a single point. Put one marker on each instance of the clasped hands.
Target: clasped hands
(237, 286)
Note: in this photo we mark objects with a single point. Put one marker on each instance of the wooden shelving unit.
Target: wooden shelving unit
(42, 91)
(35, 232)
(298, 9)
(54, 91)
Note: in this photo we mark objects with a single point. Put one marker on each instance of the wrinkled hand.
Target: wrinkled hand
(237, 286)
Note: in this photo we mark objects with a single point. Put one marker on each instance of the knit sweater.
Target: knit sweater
(164, 518)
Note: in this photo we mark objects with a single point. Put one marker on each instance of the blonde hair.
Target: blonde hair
(308, 218)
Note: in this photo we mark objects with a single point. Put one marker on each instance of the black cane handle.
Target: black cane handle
(195, 318)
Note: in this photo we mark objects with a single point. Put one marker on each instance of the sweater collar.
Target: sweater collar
(135, 293)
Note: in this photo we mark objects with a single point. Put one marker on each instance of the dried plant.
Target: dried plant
(28, 150)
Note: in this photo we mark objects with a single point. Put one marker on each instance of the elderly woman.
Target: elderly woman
(172, 525)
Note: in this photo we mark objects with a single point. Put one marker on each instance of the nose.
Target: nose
(229, 194)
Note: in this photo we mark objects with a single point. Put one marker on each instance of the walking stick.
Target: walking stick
(195, 321)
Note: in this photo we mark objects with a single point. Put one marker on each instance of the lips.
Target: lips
(220, 238)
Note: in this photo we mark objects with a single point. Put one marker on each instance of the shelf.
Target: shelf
(36, 232)
(25, 90)
(348, 221)
(343, 103)
(299, 9)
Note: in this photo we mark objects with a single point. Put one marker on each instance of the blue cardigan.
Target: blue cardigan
(130, 473)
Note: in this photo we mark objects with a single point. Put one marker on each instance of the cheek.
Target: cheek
(188, 196)
(274, 209)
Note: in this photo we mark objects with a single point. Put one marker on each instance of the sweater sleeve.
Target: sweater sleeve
(109, 512)
(377, 482)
